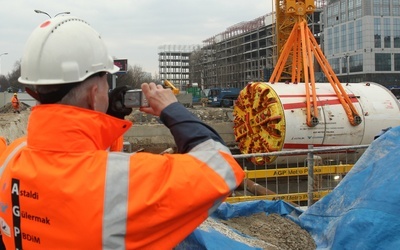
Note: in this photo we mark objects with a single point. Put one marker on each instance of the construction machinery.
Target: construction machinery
(171, 86)
(276, 120)
(322, 114)
(222, 97)
(185, 98)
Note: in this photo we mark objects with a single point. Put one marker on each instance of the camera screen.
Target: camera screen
(132, 99)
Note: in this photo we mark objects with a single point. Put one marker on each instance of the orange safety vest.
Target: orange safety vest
(62, 189)
(15, 102)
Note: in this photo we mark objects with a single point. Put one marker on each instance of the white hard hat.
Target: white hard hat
(62, 50)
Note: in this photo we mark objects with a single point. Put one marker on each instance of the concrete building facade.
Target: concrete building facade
(362, 40)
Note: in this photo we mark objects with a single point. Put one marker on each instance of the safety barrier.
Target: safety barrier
(297, 176)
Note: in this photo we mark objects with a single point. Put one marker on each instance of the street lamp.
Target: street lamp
(346, 56)
(65, 12)
(42, 12)
(2, 54)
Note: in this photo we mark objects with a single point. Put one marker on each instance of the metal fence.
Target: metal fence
(300, 177)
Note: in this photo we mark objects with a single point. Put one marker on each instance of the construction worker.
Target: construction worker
(15, 103)
(61, 188)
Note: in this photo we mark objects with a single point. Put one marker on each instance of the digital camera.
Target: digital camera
(135, 99)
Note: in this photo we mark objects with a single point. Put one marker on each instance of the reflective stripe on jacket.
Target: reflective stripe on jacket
(64, 190)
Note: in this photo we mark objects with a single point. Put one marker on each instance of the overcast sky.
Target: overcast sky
(132, 29)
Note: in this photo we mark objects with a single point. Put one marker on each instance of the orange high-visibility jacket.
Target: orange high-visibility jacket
(118, 145)
(15, 102)
(62, 189)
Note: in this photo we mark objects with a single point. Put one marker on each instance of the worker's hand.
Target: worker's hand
(116, 105)
(157, 97)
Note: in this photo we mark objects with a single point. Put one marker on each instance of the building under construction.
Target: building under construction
(243, 53)
(174, 63)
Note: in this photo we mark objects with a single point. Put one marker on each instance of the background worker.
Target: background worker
(65, 189)
(15, 103)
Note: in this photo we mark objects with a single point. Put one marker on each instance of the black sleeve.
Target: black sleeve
(2, 246)
(187, 130)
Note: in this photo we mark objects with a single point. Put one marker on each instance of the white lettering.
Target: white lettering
(15, 189)
(16, 231)
(16, 210)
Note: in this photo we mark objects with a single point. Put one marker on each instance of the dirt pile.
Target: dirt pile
(273, 230)
(13, 125)
(9, 109)
(268, 232)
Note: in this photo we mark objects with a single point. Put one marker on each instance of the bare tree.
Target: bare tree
(3, 83)
(156, 78)
(134, 77)
(12, 78)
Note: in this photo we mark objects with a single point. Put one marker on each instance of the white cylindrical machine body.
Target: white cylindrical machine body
(376, 105)
(273, 116)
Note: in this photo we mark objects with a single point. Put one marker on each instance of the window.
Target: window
(386, 33)
(382, 62)
(343, 7)
(356, 63)
(336, 44)
(334, 62)
(343, 38)
(396, 62)
(377, 33)
(329, 42)
(396, 33)
(396, 8)
(359, 34)
(385, 8)
(377, 8)
(351, 36)
(351, 4)
(351, 14)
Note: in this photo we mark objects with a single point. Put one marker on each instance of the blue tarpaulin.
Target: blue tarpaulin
(363, 211)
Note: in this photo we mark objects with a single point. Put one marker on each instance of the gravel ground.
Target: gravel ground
(274, 230)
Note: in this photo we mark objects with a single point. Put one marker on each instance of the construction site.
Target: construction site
(319, 154)
(308, 124)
